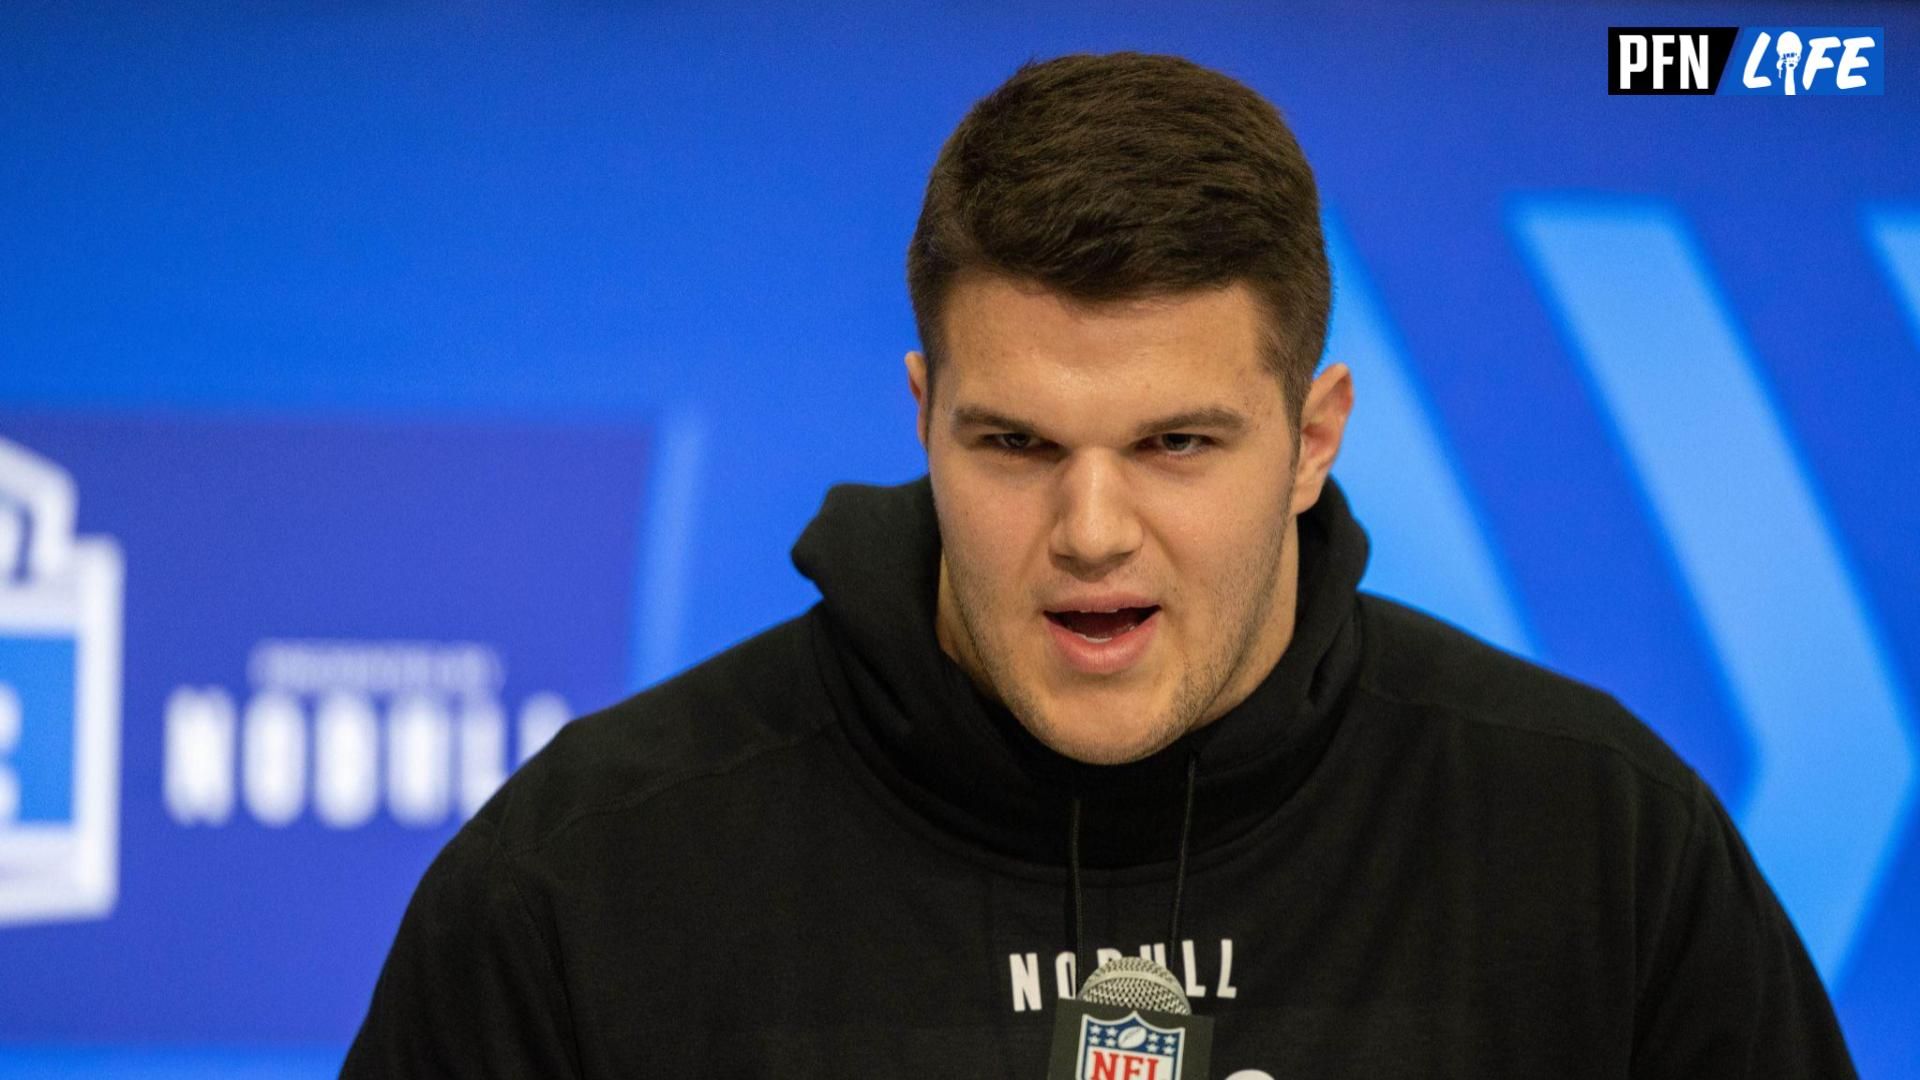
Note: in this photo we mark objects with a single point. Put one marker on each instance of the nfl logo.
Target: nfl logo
(1128, 1049)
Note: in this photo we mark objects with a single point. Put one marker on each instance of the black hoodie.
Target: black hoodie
(824, 853)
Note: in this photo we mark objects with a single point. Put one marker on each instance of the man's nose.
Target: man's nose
(1096, 523)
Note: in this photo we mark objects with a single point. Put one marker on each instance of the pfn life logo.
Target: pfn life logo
(1786, 61)
(60, 607)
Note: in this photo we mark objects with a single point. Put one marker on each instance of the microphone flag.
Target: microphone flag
(1118, 1042)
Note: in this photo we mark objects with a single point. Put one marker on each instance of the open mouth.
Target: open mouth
(1102, 626)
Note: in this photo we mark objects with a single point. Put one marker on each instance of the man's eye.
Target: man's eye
(1181, 444)
(1013, 442)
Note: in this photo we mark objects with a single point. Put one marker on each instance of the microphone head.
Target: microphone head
(1134, 982)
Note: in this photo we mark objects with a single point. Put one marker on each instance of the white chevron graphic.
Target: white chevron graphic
(1802, 658)
(1429, 549)
(1896, 235)
(662, 587)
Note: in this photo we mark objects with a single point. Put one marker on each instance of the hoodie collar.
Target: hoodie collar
(963, 760)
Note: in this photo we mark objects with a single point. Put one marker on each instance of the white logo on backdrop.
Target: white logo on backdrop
(1788, 51)
(60, 601)
(341, 728)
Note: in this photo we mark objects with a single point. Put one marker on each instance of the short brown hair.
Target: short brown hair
(1124, 176)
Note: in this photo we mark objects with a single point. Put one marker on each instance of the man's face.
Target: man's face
(1116, 487)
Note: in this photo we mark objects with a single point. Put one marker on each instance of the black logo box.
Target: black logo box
(1719, 49)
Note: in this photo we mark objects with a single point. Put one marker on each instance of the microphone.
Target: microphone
(1131, 1018)
(1788, 51)
(1135, 982)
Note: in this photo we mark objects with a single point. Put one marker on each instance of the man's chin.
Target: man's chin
(1095, 743)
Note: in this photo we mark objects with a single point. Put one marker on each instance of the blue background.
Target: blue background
(40, 671)
(548, 325)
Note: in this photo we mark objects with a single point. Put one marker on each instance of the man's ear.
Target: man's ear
(1323, 422)
(917, 382)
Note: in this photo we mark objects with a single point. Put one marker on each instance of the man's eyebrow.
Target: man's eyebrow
(981, 416)
(1211, 417)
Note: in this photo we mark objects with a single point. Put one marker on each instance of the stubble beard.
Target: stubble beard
(1246, 600)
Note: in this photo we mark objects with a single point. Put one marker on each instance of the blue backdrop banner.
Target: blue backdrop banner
(380, 387)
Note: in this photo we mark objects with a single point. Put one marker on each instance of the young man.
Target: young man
(1102, 683)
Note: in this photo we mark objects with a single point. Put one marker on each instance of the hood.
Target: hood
(963, 760)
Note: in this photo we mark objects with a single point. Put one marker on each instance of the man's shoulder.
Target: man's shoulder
(1431, 668)
(730, 712)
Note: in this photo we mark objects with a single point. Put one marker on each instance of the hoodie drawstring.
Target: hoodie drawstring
(1180, 868)
(1179, 874)
(1073, 883)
